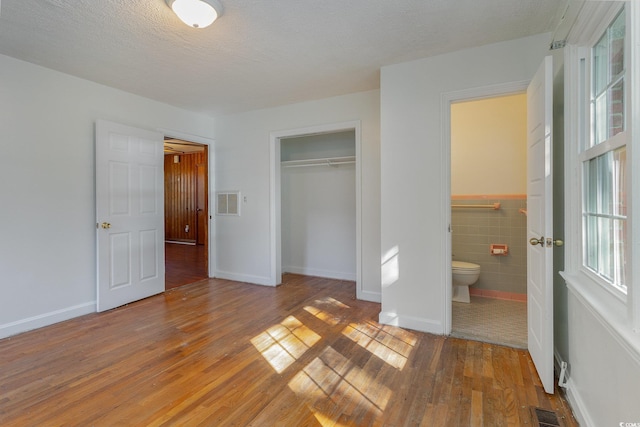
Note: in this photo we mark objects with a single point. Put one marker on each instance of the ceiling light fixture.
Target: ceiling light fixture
(196, 13)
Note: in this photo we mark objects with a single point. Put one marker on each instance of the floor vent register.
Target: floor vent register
(544, 418)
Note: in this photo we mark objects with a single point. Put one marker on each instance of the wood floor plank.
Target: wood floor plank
(218, 352)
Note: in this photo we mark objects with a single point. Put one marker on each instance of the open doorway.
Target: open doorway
(336, 160)
(488, 219)
(318, 205)
(186, 176)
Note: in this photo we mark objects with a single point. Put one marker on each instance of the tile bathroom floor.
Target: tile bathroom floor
(491, 320)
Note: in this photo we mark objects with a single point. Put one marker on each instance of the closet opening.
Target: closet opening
(316, 203)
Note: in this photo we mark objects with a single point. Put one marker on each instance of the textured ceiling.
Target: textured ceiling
(260, 53)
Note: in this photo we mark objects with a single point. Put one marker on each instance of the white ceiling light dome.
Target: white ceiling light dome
(196, 13)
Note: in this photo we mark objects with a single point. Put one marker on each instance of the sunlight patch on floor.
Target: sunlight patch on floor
(327, 318)
(381, 341)
(333, 378)
(284, 343)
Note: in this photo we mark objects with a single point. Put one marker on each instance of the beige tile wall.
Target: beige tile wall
(474, 230)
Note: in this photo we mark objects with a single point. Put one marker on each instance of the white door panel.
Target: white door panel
(539, 223)
(130, 214)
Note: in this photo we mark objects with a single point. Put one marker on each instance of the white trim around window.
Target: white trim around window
(619, 312)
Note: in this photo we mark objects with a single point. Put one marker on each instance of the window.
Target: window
(604, 162)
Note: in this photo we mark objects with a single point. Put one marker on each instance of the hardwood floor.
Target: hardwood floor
(222, 353)
(184, 264)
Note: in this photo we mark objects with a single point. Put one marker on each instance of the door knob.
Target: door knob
(558, 242)
(533, 241)
(105, 225)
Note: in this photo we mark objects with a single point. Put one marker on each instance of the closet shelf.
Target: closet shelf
(329, 161)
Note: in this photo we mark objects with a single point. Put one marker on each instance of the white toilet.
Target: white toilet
(464, 274)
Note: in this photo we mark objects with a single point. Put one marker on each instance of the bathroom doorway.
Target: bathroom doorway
(488, 216)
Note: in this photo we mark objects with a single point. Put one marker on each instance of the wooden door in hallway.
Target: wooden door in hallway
(202, 213)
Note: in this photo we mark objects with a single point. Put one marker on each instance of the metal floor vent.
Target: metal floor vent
(544, 418)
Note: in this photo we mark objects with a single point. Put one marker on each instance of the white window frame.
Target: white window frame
(613, 307)
(587, 151)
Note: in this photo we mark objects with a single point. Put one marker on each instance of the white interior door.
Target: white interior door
(129, 214)
(540, 222)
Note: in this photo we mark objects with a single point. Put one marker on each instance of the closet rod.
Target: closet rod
(333, 161)
(494, 206)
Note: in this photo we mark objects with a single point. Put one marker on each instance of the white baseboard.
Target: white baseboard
(320, 273)
(369, 296)
(46, 319)
(575, 401)
(410, 322)
(246, 278)
(577, 406)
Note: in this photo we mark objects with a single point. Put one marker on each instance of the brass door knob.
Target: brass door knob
(105, 225)
(533, 241)
(558, 242)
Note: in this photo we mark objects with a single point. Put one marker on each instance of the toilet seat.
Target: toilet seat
(462, 267)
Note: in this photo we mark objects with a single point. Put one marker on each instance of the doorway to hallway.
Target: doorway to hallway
(186, 212)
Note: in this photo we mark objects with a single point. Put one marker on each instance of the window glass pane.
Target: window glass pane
(591, 242)
(616, 109)
(616, 45)
(620, 182)
(600, 65)
(619, 253)
(604, 248)
(605, 198)
(600, 119)
(591, 186)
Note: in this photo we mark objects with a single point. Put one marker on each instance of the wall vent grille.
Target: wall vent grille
(228, 203)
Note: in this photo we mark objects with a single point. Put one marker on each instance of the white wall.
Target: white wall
(47, 232)
(243, 163)
(414, 170)
(604, 371)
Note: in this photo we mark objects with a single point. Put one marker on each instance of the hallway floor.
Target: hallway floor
(491, 320)
(184, 264)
